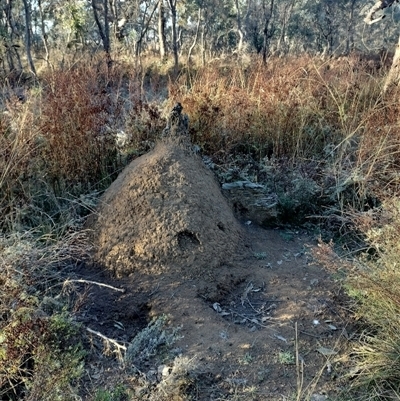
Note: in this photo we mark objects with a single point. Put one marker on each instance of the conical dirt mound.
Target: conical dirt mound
(165, 212)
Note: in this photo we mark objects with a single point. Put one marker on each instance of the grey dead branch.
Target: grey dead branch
(393, 76)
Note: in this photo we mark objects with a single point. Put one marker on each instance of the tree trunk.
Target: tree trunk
(393, 77)
(267, 31)
(44, 34)
(203, 44)
(28, 38)
(11, 48)
(103, 31)
(114, 18)
(351, 28)
(172, 6)
(285, 22)
(144, 29)
(239, 28)
(162, 21)
(195, 37)
(107, 43)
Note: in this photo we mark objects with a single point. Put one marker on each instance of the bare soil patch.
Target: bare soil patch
(237, 325)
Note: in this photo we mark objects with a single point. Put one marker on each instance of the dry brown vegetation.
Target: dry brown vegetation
(321, 121)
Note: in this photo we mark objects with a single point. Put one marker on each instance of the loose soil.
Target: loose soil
(256, 318)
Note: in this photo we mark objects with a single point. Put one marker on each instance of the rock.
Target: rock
(318, 397)
(241, 185)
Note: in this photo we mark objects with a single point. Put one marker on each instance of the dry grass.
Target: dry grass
(40, 352)
(60, 143)
(295, 107)
(372, 280)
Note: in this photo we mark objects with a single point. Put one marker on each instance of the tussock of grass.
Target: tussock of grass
(61, 142)
(377, 286)
(373, 281)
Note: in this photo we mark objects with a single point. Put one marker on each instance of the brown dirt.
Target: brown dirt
(236, 291)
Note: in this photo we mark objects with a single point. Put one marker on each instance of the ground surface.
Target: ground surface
(237, 293)
(240, 332)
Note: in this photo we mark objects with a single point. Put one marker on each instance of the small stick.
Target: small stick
(249, 319)
(309, 334)
(119, 346)
(96, 283)
(299, 365)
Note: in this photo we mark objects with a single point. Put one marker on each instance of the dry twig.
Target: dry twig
(66, 282)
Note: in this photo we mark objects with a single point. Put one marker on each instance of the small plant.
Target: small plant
(246, 359)
(373, 281)
(117, 394)
(285, 358)
(287, 235)
(39, 356)
(260, 255)
(377, 285)
(147, 342)
(179, 383)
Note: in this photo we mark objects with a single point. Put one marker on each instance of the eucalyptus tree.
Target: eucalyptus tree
(322, 21)
(101, 17)
(285, 11)
(69, 25)
(43, 31)
(240, 28)
(353, 8)
(196, 35)
(208, 26)
(268, 28)
(324, 26)
(162, 22)
(10, 35)
(220, 27)
(375, 14)
(148, 14)
(172, 8)
(28, 35)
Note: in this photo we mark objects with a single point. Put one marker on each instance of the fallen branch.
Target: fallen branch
(66, 282)
(110, 340)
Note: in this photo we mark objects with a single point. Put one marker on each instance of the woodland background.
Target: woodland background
(33, 32)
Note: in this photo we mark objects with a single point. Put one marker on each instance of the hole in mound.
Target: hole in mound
(221, 226)
(187, 240)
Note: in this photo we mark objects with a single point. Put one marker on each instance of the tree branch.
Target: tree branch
(379, 5)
